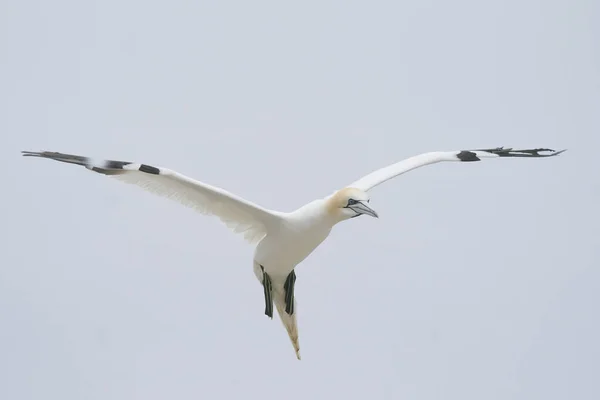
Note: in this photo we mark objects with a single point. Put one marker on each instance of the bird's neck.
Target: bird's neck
(315, 213)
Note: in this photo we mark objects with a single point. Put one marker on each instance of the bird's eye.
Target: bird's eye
(351, 202)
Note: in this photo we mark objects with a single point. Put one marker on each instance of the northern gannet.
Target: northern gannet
(283, 239)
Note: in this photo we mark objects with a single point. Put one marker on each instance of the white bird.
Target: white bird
(283, 239)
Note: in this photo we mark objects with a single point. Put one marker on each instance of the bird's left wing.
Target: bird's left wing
(238, 214)
(379, 176)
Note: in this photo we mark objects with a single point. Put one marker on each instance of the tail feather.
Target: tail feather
(289, 321)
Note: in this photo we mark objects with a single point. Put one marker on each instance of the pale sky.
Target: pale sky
(478, 281)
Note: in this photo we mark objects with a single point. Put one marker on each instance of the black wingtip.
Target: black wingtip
(511, 152)
(107, 167)
(536, 152)
(30, 154)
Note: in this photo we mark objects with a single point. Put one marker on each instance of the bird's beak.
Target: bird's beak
(362, 208)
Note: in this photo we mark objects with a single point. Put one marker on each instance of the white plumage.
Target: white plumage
(238, 214)
(283, 240)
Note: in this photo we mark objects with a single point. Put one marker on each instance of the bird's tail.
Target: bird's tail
(289, 321)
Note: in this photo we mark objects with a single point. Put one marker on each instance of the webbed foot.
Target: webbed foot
(289, 292)
(268, 290)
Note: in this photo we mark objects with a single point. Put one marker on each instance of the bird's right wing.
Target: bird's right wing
(238, 214)
(379, 176)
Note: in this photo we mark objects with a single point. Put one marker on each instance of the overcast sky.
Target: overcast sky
(478, 281)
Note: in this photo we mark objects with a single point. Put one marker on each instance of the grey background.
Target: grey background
(479, 281)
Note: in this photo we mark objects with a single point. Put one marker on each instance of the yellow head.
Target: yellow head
(349, 203)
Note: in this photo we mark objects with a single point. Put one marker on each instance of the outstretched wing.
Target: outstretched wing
(238, 214)
(379, 176)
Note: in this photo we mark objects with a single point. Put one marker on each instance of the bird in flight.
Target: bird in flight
(283, 239)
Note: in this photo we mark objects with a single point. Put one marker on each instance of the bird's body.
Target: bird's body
(283, 239)
(285, 246)
(297, 235)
